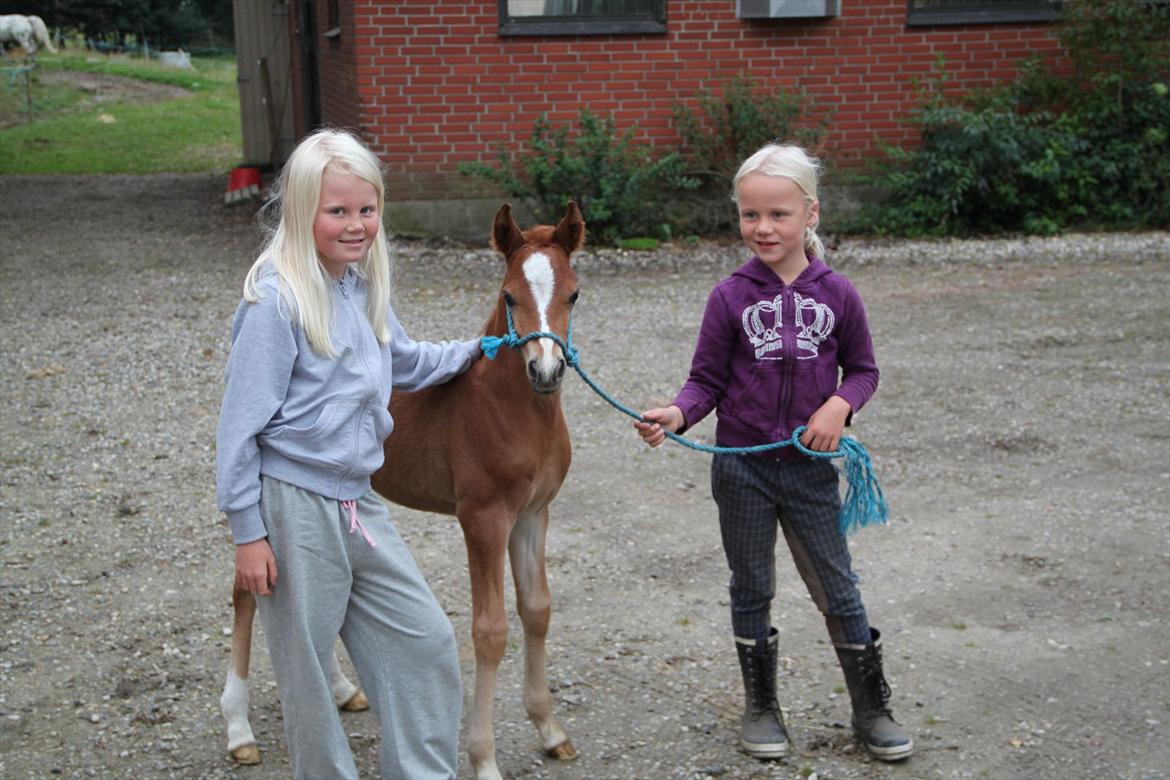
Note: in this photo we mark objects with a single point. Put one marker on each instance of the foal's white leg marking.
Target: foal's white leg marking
(541, 278)
(488, 771)
(234, 704)
(343, 689)
(526, 549)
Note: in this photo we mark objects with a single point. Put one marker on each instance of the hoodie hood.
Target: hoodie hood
(757, 272)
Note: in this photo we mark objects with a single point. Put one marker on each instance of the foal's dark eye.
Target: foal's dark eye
(508, 299)
(573, 298)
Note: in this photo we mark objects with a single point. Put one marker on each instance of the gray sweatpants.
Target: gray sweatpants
(332, 580)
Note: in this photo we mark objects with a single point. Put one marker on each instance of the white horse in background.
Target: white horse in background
(29, 31)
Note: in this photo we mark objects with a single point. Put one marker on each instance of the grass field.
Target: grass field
(195, 126)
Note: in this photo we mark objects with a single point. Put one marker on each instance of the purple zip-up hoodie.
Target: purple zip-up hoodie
(769, 354)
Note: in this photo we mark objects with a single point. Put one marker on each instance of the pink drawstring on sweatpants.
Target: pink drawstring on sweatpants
(354, 523)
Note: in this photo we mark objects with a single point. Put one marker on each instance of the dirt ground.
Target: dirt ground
(1021, 434)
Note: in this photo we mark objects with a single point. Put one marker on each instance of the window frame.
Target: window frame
(970, 12)
(651, 22)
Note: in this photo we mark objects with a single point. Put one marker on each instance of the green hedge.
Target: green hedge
(1088, 148)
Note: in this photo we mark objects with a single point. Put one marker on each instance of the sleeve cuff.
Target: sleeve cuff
(246, 525)
(691, 410)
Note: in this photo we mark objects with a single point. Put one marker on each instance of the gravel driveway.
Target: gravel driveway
(1021, 433)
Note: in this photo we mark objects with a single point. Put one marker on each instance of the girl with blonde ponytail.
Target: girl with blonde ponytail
(784, 344)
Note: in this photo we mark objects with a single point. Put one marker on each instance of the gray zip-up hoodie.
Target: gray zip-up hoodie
(314, 422)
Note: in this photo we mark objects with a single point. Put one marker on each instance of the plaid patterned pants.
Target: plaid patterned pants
(754, 496)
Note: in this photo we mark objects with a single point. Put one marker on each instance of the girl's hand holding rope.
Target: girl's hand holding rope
(654, 421)
(827, 425)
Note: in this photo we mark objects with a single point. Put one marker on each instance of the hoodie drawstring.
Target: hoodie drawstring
(354, 523)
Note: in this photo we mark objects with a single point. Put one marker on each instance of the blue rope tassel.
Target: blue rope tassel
(864, 504)
(491, 345)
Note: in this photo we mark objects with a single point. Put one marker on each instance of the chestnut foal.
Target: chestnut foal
(490, 447)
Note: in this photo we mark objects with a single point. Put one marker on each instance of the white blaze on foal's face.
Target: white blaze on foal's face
(541, 281)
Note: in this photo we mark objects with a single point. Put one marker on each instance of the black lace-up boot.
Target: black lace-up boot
(763, 732)
(872, 720)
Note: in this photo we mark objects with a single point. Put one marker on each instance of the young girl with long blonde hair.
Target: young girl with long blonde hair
(316, 350)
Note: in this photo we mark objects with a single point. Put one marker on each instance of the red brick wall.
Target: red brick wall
(337, 69)
(434, 85)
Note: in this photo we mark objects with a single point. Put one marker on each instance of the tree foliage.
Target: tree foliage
(170, 24)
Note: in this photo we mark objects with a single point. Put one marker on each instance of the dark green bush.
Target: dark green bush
(623, 190)
(1120, 51)
(724, 131)
(1053, 150)
(985, 168)
(729, 128)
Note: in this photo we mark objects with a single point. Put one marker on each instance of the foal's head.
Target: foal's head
(540, 287)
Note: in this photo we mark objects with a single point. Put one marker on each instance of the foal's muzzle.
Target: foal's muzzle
(546, 374)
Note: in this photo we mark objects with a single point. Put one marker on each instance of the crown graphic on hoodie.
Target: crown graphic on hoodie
(762, 323)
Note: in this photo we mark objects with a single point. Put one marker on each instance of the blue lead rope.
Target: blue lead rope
(864, 502)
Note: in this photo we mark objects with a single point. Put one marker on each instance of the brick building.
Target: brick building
(433, 83)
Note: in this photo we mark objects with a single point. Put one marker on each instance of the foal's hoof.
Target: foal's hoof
(357, 703)
(247, 755)
(562, 752)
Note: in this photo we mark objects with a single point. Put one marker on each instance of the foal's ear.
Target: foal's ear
(506, 235)
(570, 231)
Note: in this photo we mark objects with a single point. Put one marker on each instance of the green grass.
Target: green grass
(639, 244)
(71, 131)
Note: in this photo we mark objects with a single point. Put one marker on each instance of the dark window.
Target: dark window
(920, 12)
(582, 17)
(332, 20)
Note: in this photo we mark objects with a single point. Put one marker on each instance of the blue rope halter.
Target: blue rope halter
(864, 502)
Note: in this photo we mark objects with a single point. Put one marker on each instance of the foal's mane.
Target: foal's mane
(539, 234)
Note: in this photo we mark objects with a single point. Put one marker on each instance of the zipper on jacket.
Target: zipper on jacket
(787, 362)
(359, 348)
